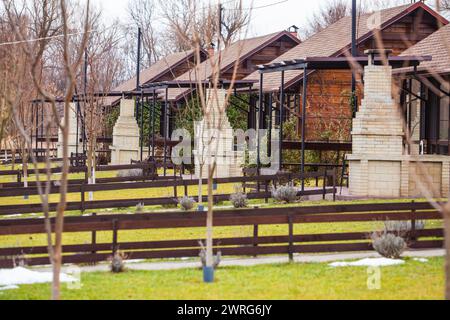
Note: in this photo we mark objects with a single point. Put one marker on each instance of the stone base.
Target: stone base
(226, 167)
(401, 176)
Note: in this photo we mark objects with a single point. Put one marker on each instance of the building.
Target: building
(425, 94)
(329, 107)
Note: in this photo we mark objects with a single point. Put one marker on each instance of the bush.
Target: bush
(140, 208)
(217, 258)
(239, 200)
(118, 262)
(388, 245)
(131, 173)
(186, 203)
(287, 194)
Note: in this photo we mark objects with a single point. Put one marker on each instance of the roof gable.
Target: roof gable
(436, 45)
(336, 40)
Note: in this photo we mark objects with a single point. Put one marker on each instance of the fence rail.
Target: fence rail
(262, 192)
(289, 243)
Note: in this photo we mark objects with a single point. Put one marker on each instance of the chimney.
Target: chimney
(211, 50)
(293, 30)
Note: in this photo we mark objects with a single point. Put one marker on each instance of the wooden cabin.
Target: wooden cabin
(244, 56)
(166, 69)
(425, 95)
(329, 105)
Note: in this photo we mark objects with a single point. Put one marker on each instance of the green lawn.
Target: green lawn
(413, 280)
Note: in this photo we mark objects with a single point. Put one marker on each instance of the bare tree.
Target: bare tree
(190, 23)
(102, 69)
(143, 14)
(328, 14)
(48, 20)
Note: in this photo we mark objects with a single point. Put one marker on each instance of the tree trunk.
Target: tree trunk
(209, 218)
(447, 254)
(59, 223)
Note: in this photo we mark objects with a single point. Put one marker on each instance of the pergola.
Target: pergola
(310, 64)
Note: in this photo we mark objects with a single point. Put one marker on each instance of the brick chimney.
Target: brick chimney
(211, 50)
(293, 30)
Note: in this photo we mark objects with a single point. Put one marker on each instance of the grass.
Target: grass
(413, 280)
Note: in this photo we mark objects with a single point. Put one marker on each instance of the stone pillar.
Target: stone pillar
(72, 133)
(214, 138)
(445, 178)
(376, 162)
(126, 135)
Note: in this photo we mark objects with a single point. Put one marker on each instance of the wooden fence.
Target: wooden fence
(288, 243)
(262, 192)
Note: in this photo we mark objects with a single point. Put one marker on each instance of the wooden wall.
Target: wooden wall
(328, 109)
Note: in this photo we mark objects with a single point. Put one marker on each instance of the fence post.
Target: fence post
(334, 184)
(255, 238)
(94, 236)
(291, 239)
(325, 179)
(82, 197)
(186, 193)
(114, 240)
(266, 189)
(413, 223)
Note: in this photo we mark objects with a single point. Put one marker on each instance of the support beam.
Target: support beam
(281, 119)
(261, 115)
(304, 102)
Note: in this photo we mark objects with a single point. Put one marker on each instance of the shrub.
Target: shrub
(388, 245)
(239, 200)
(118, 262)
(217, 258)
(186, 203)
(131, 173)
(287, 194)
(140, 208)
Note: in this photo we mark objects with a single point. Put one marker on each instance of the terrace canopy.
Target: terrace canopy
(321, 63)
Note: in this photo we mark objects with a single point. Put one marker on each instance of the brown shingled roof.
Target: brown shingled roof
(332, 42)
(436, 45)
(241, 50)
(153, 73)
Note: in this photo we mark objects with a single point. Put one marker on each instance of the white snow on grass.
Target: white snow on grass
(9, 287)
(421, 260)
(369, 262)
(11, 278)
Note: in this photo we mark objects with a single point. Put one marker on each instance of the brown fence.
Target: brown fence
(288, 243)
(262, 192)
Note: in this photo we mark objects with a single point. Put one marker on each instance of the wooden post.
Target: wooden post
(334, 184)
(82, 197)
(114, 239)
(291, 239)
(186, 193)
(94, 236)
(255, 238)
(413, 223)
(325, 180)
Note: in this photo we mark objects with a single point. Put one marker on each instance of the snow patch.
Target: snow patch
(10, 278)
(369, 262)
(12, 287)
(421, 260)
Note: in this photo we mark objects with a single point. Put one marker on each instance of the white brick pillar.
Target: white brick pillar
(126, 135)
(404, 189)
(445, 178)
(72, 133)
(214, 138)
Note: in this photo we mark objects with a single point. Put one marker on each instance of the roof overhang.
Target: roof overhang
(340, 63)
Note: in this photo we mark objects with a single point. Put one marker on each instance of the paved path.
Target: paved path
(190, 264)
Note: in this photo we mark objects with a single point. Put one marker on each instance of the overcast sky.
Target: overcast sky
(281, 15)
